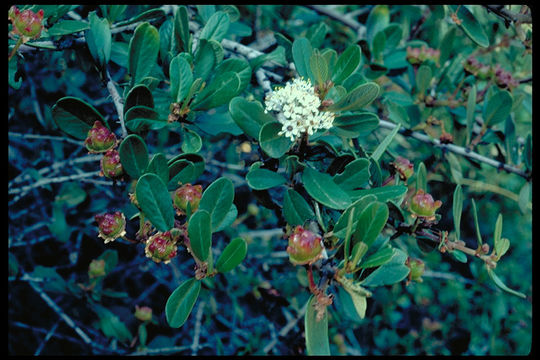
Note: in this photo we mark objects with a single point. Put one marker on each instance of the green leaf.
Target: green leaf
(527, 152)
(181, 172)
(66, 27)
(205, 60)
(322, 188)
(390, 273)
(497, 240)
(355, 124)
(12, 72)
(217, 199)
(358, 206)
(423, 79)
(380, 257)
(457, 208)
(220, 91)
(383, 193)
(111, 260)
(133, 155)
(249, 116)
(140, 119)
(71, 194)
(459, 256)
(347, 63)
(217, 26)
(523, 198)
(230, 217)
(316, 34)
(191, 141)
(155, 201)
(301, 52)
(381, 148)
(143, 52)
(158, 166)
(296, 209)
(262, 179)
(471, 109)
(357, 99)
(316, 331)
(59, 226)
(139, 95)
(358, 296)
(476, 224)
(271, 142)
(421, 177)
(503, 286)
(355, 175)
(200, 234)
(181, 78)
(471, 26)
(371, 222)
(182, 36)
(238, 66)
(99, 40)
(110, 324)
(455, 168)
(377, 20)
(319, 68)
(498, 108)
(196, 159)
(181, 301)
(232, 255)
(147, 15)
(75, 116)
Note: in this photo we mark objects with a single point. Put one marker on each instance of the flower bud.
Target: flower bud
(143, 313)
(111, 225)
(305, 247)
(111, 166)
(99, 139)
(26, 23)
(161, 247)
(187, 194)
(404, 167)
(417, 268)
(96, 268)
(422, 204)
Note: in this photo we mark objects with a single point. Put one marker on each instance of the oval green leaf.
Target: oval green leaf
(321, 187)
(371, 222)
(180, 172)
(271, 142)
(248, 115)
(143, 52)
(217, 199)
(133, 155)
(262, 179)
(358, 98)
(139, 95)
(155, 201)
(232, 255)
(200, 234)
(316, 330)
(347, 63)
(158, 166)
(75, 116)
(296, 209)
(181, 301)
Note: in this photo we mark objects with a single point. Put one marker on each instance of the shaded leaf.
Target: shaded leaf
(181, 302)
(155, 201)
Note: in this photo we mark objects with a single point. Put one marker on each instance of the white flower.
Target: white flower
(297, 109)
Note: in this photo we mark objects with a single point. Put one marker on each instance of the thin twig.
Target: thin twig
(49, 334)
(359, 28)
(197, 330)
(456, 149)
(285, 330)
(61, 313)
(118, 103)
(44, 137)
(46, 181)
(508, 15)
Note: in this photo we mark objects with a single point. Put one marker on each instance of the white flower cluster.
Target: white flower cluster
(297, 109)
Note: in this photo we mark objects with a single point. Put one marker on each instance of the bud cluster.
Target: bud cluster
(417, 55)
(111, 226)
(501, 77)
(26, 23)
(161, 247)
(423, 205)
(305, 247)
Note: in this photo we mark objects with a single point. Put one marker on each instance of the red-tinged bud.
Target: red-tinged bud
(422, 204)
(305, 247)
(26, 23)
(111, 166)
(417, 268)
(504, 79)
(404, 167)
(96, 268)
(161, 247)
(99, 139)
(187, 194)
(446, 138)
(111, 225)
(143, 313)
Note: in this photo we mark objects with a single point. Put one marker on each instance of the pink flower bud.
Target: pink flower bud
(187, 194)
(99, 139)
(404, 167)
(143, 313)
(422, 204)
(161, 247)
(304, 247)
(26, 23)
(96, 268)
(111, 225)
(111, 166)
